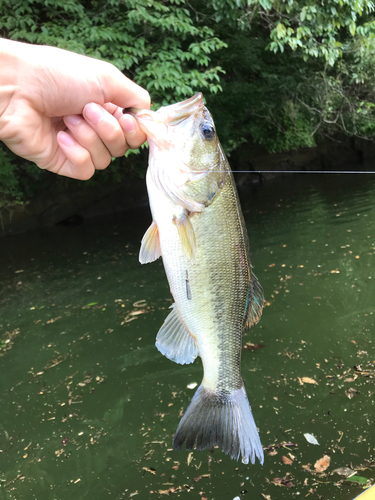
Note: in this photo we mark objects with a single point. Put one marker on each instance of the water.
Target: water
(89, 406)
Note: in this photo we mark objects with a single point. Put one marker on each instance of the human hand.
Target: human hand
(63, 111)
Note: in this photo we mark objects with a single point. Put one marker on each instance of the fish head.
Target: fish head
(186, 162)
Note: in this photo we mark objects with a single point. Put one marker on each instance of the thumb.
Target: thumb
(122, 91)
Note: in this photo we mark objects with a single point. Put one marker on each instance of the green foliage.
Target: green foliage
(156, 43)
(317, 29)
(281, 73)
(303, 71)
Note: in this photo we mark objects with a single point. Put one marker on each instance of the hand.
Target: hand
(63, 111)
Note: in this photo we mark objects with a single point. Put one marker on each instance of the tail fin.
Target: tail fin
(222, 419)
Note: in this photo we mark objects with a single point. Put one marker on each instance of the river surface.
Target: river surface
(89, 406)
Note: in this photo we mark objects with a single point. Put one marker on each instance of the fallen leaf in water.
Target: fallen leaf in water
(53, 320)
(148, 469)
(286, 460)
(137, 313)
(307, 380)
(193, 385)
(140, 303)
(344, 471)
(350, 393)
(363, 481)
(283, 481)
(272, 453)
(322, 464)
(252, 347)
(198, 478)
(266, 497)
(311, 439)
(189, 458)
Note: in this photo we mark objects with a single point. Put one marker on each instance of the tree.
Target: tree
(282, 73)
(303, 71)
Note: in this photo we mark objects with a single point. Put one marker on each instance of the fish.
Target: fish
(199, 231)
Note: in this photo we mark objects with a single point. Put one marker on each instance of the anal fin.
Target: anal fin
(150, 246)
(175, 341)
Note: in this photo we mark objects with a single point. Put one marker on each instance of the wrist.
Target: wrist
(9, 66)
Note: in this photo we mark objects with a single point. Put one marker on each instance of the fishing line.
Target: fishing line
(303, 171)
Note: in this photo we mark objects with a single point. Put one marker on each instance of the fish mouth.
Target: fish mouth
(155, 123)
(176, 113)
(172, 114)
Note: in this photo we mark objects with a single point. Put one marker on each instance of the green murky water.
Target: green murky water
(89, 406)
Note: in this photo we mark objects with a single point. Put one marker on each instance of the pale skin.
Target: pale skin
(63, 111)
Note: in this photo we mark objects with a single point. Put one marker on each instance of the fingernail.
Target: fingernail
(65, 138)
(127, 124)
(73, 119)
(93, 112)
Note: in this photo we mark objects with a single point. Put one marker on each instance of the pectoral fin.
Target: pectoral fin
(186, 234)
(254, 303)
(175, 341)
(150, 246)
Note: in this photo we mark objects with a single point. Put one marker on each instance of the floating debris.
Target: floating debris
(307, 380)
(311, 439)
(322, 464)
(283, 481)
(344, 471)
(252, 347)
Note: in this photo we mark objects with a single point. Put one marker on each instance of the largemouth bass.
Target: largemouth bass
(199, 230)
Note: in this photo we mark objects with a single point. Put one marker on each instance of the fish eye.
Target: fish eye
(208, 131)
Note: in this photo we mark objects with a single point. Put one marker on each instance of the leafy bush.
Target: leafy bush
(280, 73)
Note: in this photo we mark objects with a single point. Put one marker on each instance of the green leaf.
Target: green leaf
(363, 481)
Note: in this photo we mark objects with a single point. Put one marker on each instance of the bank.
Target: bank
(77, 201)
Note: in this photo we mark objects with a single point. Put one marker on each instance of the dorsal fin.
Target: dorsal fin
(150, 246)
(175, 341)
(254, 303)
(186, 234)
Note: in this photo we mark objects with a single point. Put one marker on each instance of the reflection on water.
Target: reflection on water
(89, 406)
